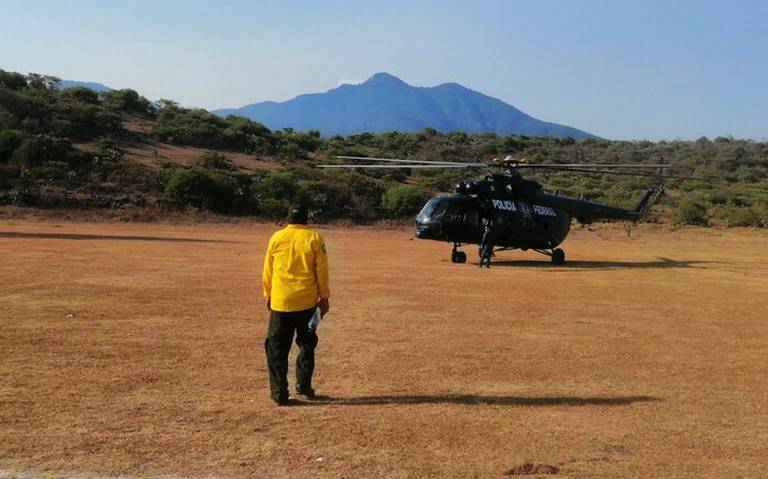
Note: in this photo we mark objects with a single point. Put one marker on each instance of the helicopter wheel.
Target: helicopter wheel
(558, 256)
(458, 257)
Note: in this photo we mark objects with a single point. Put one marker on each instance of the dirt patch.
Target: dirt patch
(137, 350)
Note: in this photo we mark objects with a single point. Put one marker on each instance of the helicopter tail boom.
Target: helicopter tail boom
(587, 211)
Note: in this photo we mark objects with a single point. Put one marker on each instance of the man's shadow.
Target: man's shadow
(480, 400)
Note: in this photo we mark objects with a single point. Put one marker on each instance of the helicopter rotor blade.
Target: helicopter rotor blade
(592, 165)
(627, 173)
(598, 168)
(410, 165)
(398, 160)
(505, 162)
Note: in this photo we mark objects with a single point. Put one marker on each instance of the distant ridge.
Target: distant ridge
(385, 103)
(97, 87)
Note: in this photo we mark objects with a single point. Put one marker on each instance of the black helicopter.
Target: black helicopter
(504, 211)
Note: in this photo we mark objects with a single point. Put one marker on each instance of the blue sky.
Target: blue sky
(619, 69)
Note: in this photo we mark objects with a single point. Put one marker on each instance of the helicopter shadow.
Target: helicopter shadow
(481, 400)
(659, 263)
(78, 236)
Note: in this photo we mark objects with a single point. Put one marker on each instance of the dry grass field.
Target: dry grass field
(135, 350)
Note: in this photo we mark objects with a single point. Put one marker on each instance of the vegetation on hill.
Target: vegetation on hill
(72, 148)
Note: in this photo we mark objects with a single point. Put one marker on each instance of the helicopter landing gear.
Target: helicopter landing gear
(458, 256)
(558, 256)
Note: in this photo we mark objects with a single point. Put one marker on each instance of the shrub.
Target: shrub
(274, 208)
(36, 150)
(12, 80)
(750, 216)
(9, 175)
(106, 160)
(223, 194)
(328, 199)
(692, 212)
(402, 200)
(9, 141)
(51, 171)
(214, 160)
(81, 94)
(189, 127)
(192, 187)
(279, 185)
(127, 101)
(188, 187)
(245, 135)
(198, 127)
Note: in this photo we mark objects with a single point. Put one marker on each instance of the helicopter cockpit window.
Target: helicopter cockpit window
(426, 213)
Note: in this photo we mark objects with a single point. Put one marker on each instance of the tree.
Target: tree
(402, 200)
(9, 141)
(277, 185)
(36, 150)
(127, 101)
(188, 187)
(43, 82)
(12, 80)
(82, 94)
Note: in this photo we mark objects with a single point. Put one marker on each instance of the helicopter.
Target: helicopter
(505, 211)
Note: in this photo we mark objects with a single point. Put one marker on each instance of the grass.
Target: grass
(641, 357)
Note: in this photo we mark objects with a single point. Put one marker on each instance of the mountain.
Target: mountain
(386, 103)
(97, 87)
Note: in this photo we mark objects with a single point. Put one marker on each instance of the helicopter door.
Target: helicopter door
(461, 221)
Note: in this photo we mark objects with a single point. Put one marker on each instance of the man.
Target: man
(295, 282)
(486, 244)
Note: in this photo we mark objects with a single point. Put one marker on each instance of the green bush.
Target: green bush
(224, 194)
(81, 94)
(328, 199)
(274, 208)
(278, 185)
(692, 212)
(198, 127)
(9, 176)
(36, 150)
(9, 141)
(749, 216)
(12, 80)
(51, 171)
(402, 200)
(188, 187)
(127, 101)
(215, 161)
(192, 187)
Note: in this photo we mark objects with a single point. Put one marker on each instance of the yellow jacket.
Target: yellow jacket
(295, 272)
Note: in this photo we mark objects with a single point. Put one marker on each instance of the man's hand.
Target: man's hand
(267, 303)
(325, 306)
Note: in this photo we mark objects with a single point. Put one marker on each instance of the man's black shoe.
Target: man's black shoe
(287, 402)
(307, 393)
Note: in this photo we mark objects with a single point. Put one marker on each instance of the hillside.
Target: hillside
(77, 148)
(385, 103)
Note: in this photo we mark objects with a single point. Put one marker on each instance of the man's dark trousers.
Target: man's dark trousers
(282, 326)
